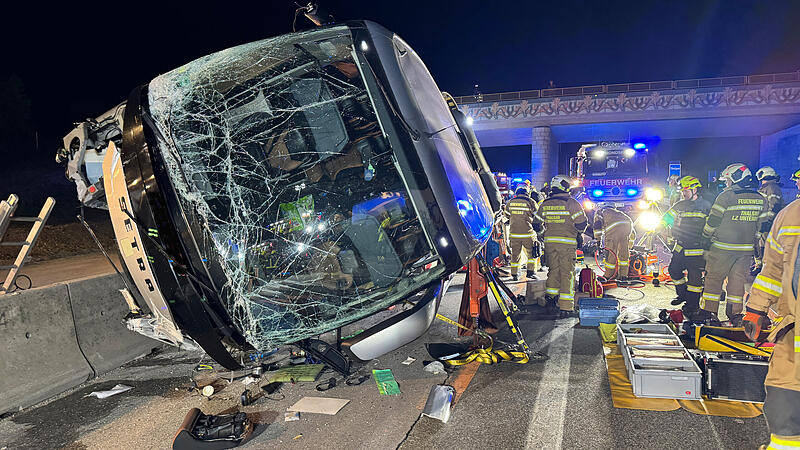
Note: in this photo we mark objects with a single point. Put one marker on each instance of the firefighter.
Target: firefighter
(796, 178)
(686, 220)
(614, 227)
(522, 231)
(776, 287)
(563, 219)
(673, 191)
(771, 190)
(730, 235)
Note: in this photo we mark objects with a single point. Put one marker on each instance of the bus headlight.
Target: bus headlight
(643, 204)
(649, 220)
(653, 194)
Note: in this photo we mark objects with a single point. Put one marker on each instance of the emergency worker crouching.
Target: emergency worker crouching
(796, 178)
(520, 211)
(685, 221)
(731, 234)
(615, 228)
(563, 219)
(776, 287)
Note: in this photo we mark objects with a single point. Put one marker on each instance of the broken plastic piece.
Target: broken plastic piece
(435, 367)
(319, 405)
(118, 389)
(387, 385)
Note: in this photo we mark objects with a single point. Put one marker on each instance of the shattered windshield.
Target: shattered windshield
(276, 146)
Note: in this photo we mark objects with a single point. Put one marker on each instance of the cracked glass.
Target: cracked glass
(277, 148)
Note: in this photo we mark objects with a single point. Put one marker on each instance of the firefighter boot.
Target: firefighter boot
(551, 303)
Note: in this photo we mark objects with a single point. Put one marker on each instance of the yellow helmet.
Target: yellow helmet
(690, 182)
(796, 175)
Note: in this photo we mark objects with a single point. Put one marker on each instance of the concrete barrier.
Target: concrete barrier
(39, 353)
(98, 309)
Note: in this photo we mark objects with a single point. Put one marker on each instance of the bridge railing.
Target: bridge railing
(743, 80)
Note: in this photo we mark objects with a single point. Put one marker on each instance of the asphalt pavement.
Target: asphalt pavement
(561, 402)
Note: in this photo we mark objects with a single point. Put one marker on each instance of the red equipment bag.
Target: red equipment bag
(587, 281)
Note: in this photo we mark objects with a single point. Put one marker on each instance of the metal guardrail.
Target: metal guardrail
(632, 87)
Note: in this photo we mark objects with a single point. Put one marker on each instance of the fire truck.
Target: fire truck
(614, 172)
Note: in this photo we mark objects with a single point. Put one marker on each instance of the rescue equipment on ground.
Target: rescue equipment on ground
(479, 274)
(594, 311)
(202, 431)
(736, 376)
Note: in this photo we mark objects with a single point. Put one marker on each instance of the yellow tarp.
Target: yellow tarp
(622, 395)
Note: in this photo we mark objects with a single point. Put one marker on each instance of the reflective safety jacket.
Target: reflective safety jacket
(774, 195)
(520, 211)
(611, 222)
(686, 220)
(778, 281)
(735, 220)
(563, 219)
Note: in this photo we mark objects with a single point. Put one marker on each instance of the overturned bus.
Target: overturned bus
(277, 190)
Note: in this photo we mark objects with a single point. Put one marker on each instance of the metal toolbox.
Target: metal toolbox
(658, 377)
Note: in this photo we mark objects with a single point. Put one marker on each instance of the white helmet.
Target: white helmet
(736, 172)
(765, 172)
(561, 183)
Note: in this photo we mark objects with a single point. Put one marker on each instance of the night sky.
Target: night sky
(76, 60)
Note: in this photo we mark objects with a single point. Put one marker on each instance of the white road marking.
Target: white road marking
(546, 428)
(715, 433)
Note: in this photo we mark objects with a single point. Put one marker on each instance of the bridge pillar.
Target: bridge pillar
(780, 150)
(544, 156)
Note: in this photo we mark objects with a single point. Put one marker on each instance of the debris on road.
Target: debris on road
(291, 416)
(409, 361)
(319, 405)
(387, 385)
(118, 389)
(439, 401)
(435, 367)
(293, 374)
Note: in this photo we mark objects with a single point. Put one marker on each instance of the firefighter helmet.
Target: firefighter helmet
(766, 172)
(796, 175)
(690, 182)
(522, 189)
(737, 173)
(560, 183)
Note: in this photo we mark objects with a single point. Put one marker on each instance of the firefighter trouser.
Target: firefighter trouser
(521, 242)
(689, 287)
(722, 264)
(782, 406)
(561, 271)
(617, 260)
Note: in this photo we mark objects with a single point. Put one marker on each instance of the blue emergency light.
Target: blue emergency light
(632, 192)
(639, 146)
(598, 193)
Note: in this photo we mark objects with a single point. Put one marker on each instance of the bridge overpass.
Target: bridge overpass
(763, 106)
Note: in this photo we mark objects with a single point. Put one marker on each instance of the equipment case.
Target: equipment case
(734, 376)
